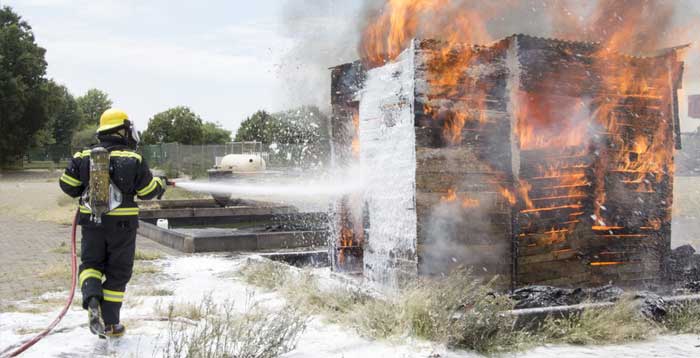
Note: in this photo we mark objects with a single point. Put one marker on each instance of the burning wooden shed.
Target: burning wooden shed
(540, 160)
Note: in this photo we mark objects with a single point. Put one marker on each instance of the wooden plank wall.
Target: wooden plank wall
(346, 81)
(641, 244)
(474, 229)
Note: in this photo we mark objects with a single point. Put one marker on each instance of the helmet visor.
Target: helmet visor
(134, 133)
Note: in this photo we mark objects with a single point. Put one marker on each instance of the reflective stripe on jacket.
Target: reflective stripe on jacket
(128, 172)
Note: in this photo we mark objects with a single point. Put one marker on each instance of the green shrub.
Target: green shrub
(619, 323)
(222, 332)
(684, 318)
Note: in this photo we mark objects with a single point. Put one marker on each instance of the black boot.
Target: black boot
(114, 330)
(95, 316)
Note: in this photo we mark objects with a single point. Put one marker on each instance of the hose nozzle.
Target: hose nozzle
(171, 182)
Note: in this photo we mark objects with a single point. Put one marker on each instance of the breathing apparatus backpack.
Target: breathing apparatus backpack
(101, 196)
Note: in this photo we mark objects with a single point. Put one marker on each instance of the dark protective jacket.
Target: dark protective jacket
(127, 170)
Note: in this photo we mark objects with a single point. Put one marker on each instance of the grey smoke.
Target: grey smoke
(447, 231)
(328, 32)
(325, 35)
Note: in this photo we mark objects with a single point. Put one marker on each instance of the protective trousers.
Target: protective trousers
(107, 261)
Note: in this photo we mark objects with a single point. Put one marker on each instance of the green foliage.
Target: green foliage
(181, 125)
(159, 128)
(459, 309)
(84, 137)
(221, 331)
(304, 128)
(463, 312)
(619, 323)
(256, 128)
(266, 274)
(64, 119)
(212, 133)
(303, 125)
(23, 90)
(683, 318)
(92, 104)
(186, 126)
(147, 255)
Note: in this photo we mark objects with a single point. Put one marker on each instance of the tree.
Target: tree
(22, 87)
(297, 126)
(181, 125)
(255, 128)
(299, 135)
(92, 104)
(84, 137)
(64, 119)
(187, 126)
(178, 124)
(158, 130)
(212, 133)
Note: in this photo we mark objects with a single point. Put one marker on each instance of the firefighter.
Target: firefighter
(109, 241)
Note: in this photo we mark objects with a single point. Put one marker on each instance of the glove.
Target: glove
(164, 185)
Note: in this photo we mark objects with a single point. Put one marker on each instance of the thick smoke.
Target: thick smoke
(447, 227)
(325, 35)
(329, 32)
(332, 32)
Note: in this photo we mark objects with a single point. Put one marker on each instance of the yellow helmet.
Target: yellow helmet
(112, 118)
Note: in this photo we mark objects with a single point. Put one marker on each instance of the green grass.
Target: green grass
(189, 310)
(266, 274)
(24, 330)
(8, 307)
(224, 332)
(619, 323)
(461, 311)
(40, 164)
(458, 309)
(56, 271)
(175, 193)
(154, 292)
(64, 248)
(65, 200)
(147, 255)
(684, 319)
(145, 269)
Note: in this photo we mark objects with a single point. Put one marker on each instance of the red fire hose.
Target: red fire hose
(74, 273)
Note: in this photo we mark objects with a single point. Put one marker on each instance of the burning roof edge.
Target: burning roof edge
(587, 44)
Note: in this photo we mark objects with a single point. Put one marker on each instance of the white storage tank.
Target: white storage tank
(242, 163)
(235, 166)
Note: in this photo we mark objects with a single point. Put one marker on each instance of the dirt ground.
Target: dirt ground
(35, 218)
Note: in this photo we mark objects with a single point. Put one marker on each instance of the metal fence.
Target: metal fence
(54, 153)
(194, 160)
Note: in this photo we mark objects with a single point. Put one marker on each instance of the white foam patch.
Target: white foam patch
(194, 277)
(388, 160)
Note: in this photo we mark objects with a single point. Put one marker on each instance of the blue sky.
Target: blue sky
(224, 59)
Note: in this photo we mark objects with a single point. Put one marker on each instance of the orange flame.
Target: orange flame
(465, 201)
(550, 121)
(606, 263)
(508, 195)
(638, 153)
(470, 203)
(450, 196)
(356, 135)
